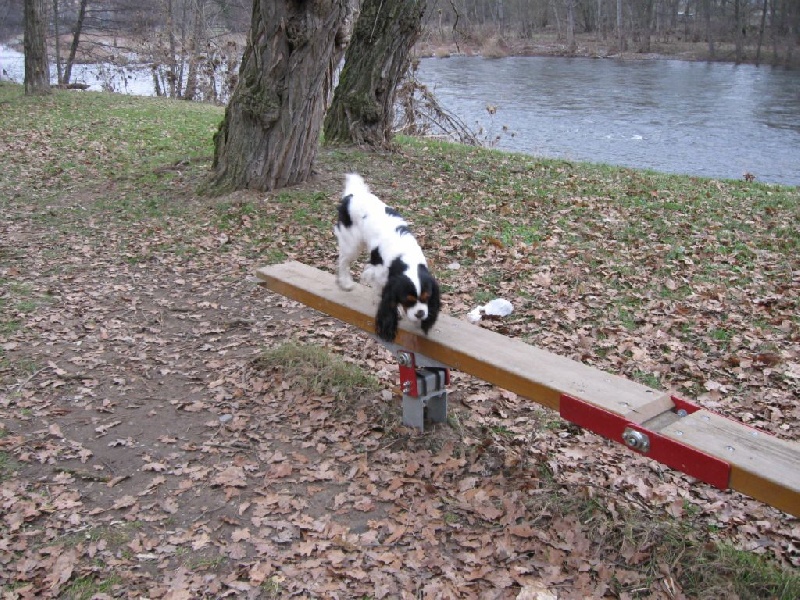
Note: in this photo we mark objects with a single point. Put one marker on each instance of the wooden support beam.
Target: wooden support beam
(713, 448)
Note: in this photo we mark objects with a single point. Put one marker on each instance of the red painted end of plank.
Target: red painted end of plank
(668, 451)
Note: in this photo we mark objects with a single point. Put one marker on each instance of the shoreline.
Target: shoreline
(431, 45)
(589, 47)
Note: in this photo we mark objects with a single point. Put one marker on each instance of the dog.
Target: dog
(397, 266)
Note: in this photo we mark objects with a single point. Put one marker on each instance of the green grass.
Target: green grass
(89, 586)
(56, 143)
(703, 569)
(8, 466)
(318, 371)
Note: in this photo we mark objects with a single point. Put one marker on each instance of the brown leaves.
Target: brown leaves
(216, 478)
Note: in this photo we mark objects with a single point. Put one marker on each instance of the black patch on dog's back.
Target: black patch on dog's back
(403, 230)
(391, 212)
(344, 211)
(375, 257)
(398, 267)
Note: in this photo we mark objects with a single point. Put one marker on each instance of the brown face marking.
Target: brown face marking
(410, 301)
(423, 297)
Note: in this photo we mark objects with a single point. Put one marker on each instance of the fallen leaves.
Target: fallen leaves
(151, 442)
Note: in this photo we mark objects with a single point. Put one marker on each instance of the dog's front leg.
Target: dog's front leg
(348, 252)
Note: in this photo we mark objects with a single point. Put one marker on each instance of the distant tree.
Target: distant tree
(709, 33)
(270, 134)
(571, 43)
(37, 66)
(761, 32)
(57, 40)
(376, 60)
(76, 37)
(739, 30)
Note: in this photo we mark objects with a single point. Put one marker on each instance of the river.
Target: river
(706, 119)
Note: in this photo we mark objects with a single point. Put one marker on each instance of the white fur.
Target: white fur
(372, 228)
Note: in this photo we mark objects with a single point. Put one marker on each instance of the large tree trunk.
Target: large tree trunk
(377, 58)
(269, 137)
(37, 66)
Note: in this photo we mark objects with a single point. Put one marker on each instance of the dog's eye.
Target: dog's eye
(410, 301)
(423, 297)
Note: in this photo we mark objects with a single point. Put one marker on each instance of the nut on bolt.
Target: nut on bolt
(404, 358)
(636, 440)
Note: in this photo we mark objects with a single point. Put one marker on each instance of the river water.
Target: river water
(708, 119)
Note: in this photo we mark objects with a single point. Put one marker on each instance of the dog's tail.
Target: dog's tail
(355, 184)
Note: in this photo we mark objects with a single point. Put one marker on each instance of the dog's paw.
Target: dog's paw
(345, 284)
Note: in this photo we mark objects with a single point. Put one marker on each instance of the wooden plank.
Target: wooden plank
(762, 466)
(506, 362)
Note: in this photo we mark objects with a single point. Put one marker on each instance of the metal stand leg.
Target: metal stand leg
(424, 391)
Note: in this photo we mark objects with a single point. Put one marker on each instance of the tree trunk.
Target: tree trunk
(76, 36)
(59, 74)
(709, 32)
(37, 66)
(195, 44)
(601, 31)
(269, 136)
(557, 18)
(571, 44)
(761, 32)
(646, 26)
(739, 31)
(376, 60)
(173, 81)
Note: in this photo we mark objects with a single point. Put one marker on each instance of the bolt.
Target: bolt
(404, 358)
(636, 440)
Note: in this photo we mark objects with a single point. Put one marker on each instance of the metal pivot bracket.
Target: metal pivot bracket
(642, 430)
(424, 390)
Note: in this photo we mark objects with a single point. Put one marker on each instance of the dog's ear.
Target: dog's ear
(433, 307)
(386, 319)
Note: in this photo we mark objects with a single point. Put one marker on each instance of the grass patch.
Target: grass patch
(55, 143)
(318, 371)
(8, 466)
(676, 547)
(90, 586)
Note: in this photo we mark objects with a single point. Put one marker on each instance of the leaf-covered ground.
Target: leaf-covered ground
(172, 430)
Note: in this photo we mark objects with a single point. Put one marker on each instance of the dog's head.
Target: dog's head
(411, 291)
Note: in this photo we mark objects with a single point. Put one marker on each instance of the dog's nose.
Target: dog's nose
(420, 314)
